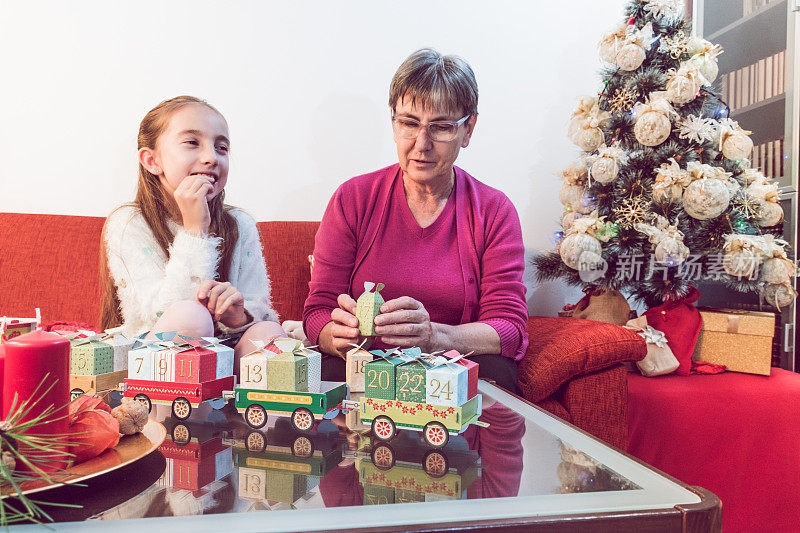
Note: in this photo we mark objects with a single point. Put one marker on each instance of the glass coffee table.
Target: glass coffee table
(527, 469)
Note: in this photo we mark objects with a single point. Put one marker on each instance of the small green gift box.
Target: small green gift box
(410, 380)
(288, 372)
(379, 375)
(89, 357)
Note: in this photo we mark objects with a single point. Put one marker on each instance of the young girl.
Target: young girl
(177, 258)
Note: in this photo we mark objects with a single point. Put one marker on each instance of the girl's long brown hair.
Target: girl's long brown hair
(156, 208)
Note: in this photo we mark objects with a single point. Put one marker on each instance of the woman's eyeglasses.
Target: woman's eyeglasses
(439, 131)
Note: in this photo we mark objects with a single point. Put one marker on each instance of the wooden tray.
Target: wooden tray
(130, 449)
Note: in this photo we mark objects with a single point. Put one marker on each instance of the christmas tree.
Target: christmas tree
(663, 194)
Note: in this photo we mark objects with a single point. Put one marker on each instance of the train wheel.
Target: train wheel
(181, 435)
(255, 442)
(181, 408)
(435, 434)
(74, 393)
(383, 456)
(145, 400)
(302, 447)
(302, 419)
(383, 428)
(255, 416)
(435, 464)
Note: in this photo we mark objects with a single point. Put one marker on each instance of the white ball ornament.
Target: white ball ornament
(605, 170)
(588, 139)
(570, 194)
(575, 125)
(671, 252)
(630, 57)
(576, 244)
(771, 214)
(681, 90)
(704, 199)
(707, 66)
(737, 146)
(779, 295)
(652, 128)
(741, 264)
(777, 270)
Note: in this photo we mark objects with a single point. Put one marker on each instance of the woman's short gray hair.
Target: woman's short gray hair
(444, 82)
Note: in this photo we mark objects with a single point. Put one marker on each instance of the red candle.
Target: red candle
(30, 359)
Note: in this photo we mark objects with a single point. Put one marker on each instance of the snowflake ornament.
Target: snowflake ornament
(697, 129)
(747, 206)
(623, 100)
(675, 46)
(662, 8)
(633, 211)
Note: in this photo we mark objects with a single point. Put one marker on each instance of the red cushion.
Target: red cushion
(734, 434)
(50, 262)
(287, 246)
(561, 348)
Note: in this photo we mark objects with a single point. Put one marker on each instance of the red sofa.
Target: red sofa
(572, 367)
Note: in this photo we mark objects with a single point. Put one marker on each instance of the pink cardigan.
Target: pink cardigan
(489, 244)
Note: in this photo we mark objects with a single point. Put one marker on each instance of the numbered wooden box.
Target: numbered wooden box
(379, 377)
(253, 370)
(410, 379)
(195, 366)
(89, 358)
(287, 372)
(355, 360)
(446, 383)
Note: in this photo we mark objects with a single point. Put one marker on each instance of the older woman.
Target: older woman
(447, 247)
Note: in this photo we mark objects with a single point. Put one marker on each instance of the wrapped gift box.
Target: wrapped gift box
(195, 365)
(287, 372)
(253, 367)
(411, 379)
(740, 340)
(446, 383)
(224, 364)
(472, 371)
(89, 356)
(355, 360)
(379, 375)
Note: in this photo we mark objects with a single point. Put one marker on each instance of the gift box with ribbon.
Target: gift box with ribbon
(90, 356)
(175, 358)
(355, 359)
(740, 340)
(379, 374)
(288, 370)
(472, 370)
(446, 382)
(411, 380)
(659, 359)
(253, 366)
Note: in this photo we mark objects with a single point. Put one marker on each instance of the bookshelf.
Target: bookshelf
(759, 77)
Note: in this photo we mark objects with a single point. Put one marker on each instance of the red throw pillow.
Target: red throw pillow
(561, 348)
(680, 322)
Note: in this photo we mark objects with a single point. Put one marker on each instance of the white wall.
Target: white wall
(303, 86)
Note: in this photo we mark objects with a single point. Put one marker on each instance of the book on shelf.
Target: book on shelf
(754, 83)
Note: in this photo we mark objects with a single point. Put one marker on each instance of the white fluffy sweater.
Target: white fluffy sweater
(147, 283)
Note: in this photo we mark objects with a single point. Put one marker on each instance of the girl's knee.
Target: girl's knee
(188, 317)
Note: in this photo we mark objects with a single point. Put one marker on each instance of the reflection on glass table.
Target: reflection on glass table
(524, 464)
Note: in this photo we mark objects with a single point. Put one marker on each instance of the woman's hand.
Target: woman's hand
(342, 331)
(404, 321)
(191, 197)
(224, 302)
